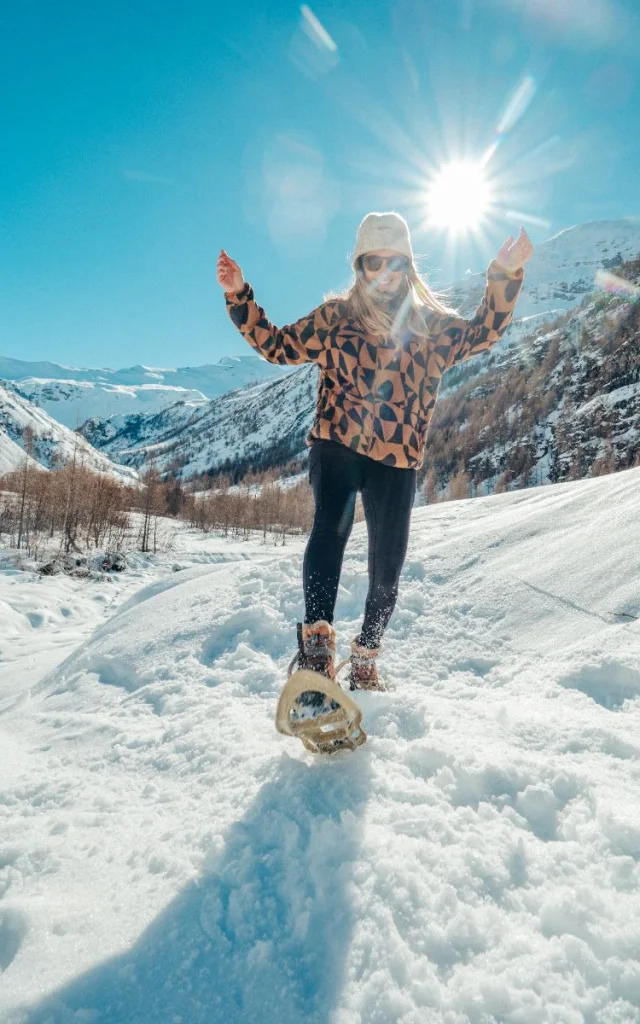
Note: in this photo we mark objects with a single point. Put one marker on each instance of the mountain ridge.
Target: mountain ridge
(74, 394)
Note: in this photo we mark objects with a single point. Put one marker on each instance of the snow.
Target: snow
(619, 397)
(166, 856)
(73, 402)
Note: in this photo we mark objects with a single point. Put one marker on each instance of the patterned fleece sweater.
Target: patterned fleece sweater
(377, 395)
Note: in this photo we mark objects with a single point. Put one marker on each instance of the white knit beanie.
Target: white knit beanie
(382, 231)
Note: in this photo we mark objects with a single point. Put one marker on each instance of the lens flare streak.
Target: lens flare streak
(608, 282)
(316, 29)
(517, 105)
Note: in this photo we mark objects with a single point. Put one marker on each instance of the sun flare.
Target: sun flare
(458, 199)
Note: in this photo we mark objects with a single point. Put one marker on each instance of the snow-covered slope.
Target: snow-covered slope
(51, 441)
(12, 455)
(263, 423)
(72, 394)
(166, 856)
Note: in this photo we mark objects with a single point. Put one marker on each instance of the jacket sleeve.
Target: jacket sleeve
(301, 342)
(466, 338)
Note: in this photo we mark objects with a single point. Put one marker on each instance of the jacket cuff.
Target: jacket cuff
(237, 298)
(495, 271)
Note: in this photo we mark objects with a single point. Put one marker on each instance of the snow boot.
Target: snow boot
(316, 648)
(363, 672)
(316, 653)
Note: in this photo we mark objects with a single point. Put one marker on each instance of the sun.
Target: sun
(458, 199)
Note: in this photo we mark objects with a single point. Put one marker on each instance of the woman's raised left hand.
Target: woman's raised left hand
(513, 255)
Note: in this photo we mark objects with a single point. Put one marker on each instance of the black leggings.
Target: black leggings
(337, 474)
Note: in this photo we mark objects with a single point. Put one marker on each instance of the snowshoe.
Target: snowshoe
(312, 705)
(319, 712)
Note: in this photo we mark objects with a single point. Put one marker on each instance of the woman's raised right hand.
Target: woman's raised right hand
(229, 274)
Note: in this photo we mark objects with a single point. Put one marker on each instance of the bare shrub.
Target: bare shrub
(262, 503)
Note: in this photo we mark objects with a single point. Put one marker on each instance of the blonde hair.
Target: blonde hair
(417, 298)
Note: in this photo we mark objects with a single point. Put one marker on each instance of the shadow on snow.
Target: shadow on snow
(263, 934)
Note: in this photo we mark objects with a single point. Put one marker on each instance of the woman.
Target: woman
(382, 349)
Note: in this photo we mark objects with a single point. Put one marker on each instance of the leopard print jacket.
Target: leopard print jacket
(377, 396)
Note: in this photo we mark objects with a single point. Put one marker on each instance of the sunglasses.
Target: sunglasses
(395, 263)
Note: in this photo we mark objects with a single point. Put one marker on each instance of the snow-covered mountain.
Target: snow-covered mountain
(22, 425)
(267, 424)
(258, 424)
(561, 271)
(72, 395)
(167, 857)
(72, 402)
(563, 405)
(11, 454)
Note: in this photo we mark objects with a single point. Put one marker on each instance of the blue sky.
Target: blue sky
(138, 139)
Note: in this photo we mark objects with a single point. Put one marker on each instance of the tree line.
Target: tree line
(70, 509)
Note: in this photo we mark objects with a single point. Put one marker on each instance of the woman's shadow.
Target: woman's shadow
(263, 934)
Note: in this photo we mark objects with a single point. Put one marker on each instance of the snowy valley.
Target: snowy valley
(166, 857)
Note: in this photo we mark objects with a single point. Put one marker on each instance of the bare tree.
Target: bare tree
(151, 484)
(28, 451)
